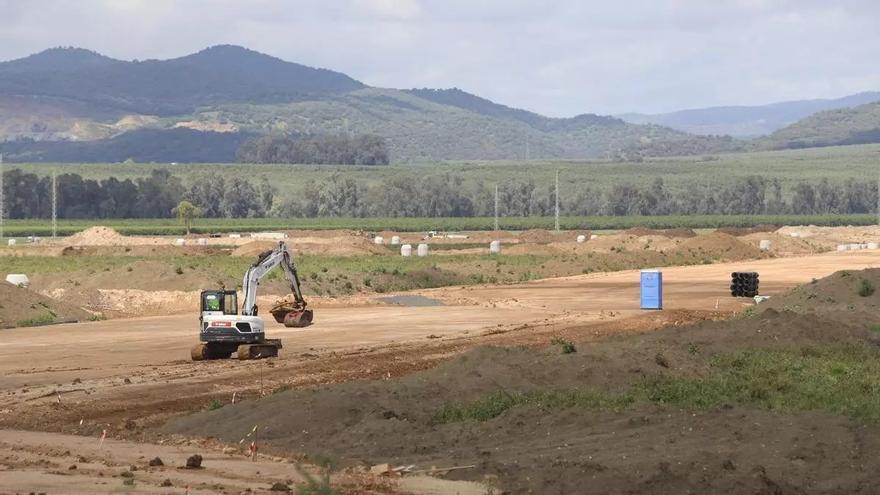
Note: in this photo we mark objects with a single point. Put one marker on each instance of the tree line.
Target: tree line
(361, 149)
(27, 195)
(446, 195)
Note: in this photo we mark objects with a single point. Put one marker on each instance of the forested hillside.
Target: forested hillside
(748, 121)
(69, 94)
(168, 87)
(859, 125)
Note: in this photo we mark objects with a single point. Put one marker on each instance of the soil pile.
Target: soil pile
(679, 232)
(537, 236)
(643, 447)
(739, 231)
(148, 275)
(721, 246)
(23, 307)
(254, 248)
(670, 233)
(854, 293)
(784, 244)
(97, 236)
(326, 244)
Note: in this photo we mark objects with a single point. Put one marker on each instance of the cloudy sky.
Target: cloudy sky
(559, 58)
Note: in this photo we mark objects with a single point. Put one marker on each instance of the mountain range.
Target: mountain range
(748, 121)
(71, 104)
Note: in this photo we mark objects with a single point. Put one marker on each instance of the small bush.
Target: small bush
(866, 288)
(214, 405)
(45, 319)
(178, 270)
(314, 486)
(567, 346)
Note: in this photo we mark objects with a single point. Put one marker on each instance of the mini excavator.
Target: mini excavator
(224, 331)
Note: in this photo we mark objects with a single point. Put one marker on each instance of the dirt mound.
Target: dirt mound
(325, 244)
(23, 307)
(537, 249)
(640, 231)
(254, 248)
(679, 232)
(97, 236)
(783, 244)
(740, 231)
(537, 236)
(542, 446)
(670, 233)
(149, 275)
(847, 292)
(721, 246)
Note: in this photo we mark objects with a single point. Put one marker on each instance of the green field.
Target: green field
(20, 228)
(679, 174)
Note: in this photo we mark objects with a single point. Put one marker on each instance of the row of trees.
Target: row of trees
(27, 195)
(446, 195)
(361, 149)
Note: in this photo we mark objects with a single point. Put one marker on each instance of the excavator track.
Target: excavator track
(259, 350)
(205, 351)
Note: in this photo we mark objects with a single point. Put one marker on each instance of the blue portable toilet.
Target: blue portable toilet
(651, 289)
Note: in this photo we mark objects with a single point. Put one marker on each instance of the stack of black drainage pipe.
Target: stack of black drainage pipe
(744, 284)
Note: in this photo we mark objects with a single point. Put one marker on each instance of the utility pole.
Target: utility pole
(54, 204)
(557, 200)
(496, 206)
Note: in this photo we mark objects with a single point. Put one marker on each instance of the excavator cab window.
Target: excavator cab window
(230, 303)
(220, 301)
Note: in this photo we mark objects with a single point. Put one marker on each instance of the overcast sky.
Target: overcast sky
(558, 58)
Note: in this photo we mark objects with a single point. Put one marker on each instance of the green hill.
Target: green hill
(417, 129)
(859, 125)
(748, 121)
(168, 87)
(72, 95)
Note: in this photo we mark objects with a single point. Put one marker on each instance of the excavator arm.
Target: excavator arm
(292, 312)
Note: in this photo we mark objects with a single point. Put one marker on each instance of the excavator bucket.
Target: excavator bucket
(298, 319)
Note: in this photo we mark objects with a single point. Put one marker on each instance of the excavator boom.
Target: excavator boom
(291, 312)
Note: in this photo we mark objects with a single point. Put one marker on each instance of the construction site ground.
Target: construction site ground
(65, 385)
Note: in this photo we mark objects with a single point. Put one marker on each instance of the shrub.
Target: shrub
(567, 346)
(866, 288)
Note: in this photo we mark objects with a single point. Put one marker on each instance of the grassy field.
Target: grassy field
(781, 381)
(340, 275)
(680, 174)
(19, 228)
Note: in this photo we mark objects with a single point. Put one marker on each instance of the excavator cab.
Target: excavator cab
(219, 302)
